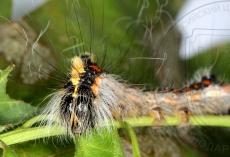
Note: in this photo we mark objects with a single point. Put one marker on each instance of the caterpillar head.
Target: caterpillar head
(78, 108)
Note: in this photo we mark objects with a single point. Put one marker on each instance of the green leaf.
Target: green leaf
(12, 112)
(46, 147)
(7, 152)
(103, 143)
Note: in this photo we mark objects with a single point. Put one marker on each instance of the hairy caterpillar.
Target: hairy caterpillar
(105, 96)
(91, 96)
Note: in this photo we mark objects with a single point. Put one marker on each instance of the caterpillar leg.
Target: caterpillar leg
(183, 114)
(156, 113)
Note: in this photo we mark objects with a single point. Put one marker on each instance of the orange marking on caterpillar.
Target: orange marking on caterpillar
(95, 85)
(196, 86)
(96, 68)
(206, 82)
(176, 92)
(226, 88)
(194, 96)
(187, 89)
(171, 101)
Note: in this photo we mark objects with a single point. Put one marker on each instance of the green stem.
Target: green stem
(24, 133)
(215, 121)
(34, 120)
(136, 150)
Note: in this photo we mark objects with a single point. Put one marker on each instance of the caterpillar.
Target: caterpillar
(90, 95)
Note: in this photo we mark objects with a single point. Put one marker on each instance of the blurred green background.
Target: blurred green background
(120, 34)
(117, 36)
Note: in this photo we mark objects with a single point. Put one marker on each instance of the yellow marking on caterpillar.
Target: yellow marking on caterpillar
(77, 70)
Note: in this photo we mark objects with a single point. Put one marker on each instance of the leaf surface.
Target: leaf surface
(12, 112)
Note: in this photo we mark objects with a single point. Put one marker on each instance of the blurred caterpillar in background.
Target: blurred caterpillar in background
(90, 95)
